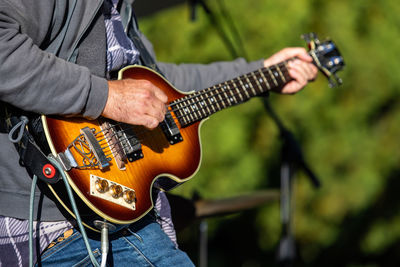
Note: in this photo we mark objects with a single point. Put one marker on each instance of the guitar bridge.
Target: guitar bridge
(88, 147)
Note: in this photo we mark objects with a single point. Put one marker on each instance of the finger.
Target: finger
(147, 121)
(151, 109)
(310, 70)
(158, 93)
(161, 95)
(299, 52)
(158, 110)
(286, 54)
(299, 70)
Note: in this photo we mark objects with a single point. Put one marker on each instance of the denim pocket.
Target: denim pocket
(69, 252)
(59, 244)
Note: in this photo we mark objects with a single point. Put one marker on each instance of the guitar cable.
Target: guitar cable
(19, 128)
(76, 212)
(104, 241)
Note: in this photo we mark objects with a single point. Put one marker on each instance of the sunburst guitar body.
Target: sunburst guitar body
(113, 167)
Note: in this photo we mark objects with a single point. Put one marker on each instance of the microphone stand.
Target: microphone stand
(291, 159)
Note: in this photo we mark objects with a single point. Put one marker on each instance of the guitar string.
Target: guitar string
(198, 109)
(186, 100)
(221, 100)
(230, 82)
(188, 103)
(111, 146)
(114, 145)
(121, 141)
(219, 86)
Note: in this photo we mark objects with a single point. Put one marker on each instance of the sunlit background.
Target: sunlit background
(349, 135)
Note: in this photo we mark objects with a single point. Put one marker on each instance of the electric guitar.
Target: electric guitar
(113, 167)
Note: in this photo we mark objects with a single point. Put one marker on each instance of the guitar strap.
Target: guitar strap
(16, 123)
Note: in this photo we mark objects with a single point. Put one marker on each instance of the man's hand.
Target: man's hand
(300, 69)
(137, 102)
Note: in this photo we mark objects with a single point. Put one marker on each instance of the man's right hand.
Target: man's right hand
(137, 102)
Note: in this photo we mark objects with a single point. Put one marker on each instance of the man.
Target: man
(59, 58)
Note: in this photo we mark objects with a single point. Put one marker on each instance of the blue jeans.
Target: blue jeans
(141, 244)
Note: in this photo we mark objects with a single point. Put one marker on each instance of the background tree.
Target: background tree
(350, 135)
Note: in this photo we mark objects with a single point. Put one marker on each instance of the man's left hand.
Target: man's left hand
(300, 68)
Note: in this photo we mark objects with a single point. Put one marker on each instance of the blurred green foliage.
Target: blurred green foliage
(349, 135)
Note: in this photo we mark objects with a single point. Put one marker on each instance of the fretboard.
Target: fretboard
(202, 104)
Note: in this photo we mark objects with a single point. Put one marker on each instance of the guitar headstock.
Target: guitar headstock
(326, 57)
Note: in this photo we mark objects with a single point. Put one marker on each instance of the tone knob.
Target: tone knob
(116, 191)
(101, 185)
(129, 196)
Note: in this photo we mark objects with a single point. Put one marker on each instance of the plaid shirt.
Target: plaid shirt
(120, 49)
(14, 233)
(14, 239)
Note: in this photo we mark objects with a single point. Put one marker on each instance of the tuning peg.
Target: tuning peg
(338, 79)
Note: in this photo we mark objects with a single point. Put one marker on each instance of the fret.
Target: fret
(180, 109)
(272, 76)
(258, 83)
(262, 75)
(176, 112)
(188, 108)
(182, 113)
(221, 100)
(215, 103)
(251, 85)
(204, 105)
(231, 96)
(281, 74)
(286, 71)
(275, 70)
(226, 97)
(184, 120)
(209, 102)
(185, 109)
(195, 107)
(244, 89)
(237, 90)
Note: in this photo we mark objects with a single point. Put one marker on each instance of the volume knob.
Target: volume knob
(101, 185)
(129, 196)
(116, 191)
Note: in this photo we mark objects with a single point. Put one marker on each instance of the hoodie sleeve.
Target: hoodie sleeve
(35, 80)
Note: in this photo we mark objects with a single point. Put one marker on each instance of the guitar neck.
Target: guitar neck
(202, 104)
